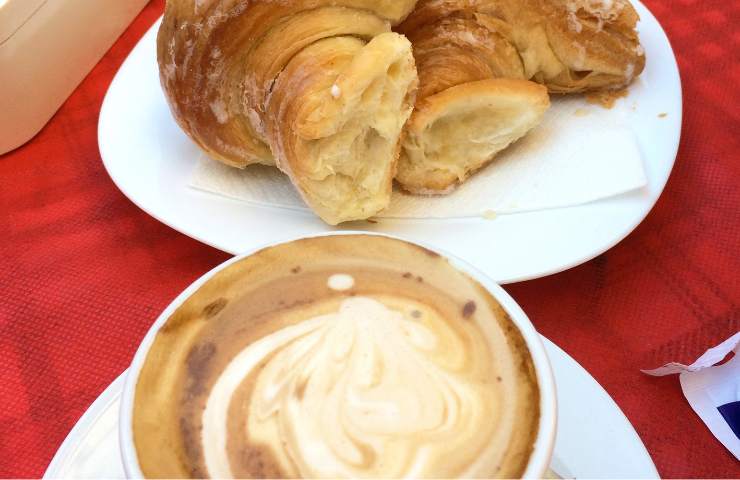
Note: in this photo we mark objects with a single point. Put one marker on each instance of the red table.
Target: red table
(83, 272)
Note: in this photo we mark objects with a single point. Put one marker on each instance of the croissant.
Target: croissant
(477, 61)
(319, 88)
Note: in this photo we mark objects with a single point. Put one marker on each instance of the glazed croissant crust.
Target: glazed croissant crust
(320, 88)
(464, 113)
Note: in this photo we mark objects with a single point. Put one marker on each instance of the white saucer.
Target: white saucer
(150, 159)
(594, 439)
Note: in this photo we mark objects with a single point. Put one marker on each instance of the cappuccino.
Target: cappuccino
(337, 356)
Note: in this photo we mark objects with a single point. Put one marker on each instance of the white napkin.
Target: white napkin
(580, 153)
(711, 389)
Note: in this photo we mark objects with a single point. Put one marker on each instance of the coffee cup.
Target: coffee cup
(341, 355)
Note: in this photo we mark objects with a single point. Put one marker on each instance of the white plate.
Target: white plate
(150, 159)
(594, 438)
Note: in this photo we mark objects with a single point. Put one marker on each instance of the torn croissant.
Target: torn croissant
(477, 61)
(320, 88)
(324, 89)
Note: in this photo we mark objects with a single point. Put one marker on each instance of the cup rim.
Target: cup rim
(544, 444)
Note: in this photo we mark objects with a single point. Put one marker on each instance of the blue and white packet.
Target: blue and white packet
(713, 391)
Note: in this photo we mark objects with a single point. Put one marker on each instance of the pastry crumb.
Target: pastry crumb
(582, 112)
(606, 98)
(662, 115)
(490, 215)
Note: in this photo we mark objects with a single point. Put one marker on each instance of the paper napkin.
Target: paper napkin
(580, 153)
(713, 391)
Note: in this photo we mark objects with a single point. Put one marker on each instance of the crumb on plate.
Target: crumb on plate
(606, 98)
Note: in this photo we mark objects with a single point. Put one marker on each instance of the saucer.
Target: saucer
(594, 438)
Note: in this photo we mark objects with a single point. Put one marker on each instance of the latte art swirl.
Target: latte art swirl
(362, 392)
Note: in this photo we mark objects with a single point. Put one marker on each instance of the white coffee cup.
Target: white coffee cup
(541, 455)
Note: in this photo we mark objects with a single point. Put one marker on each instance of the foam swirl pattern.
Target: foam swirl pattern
(361, 392)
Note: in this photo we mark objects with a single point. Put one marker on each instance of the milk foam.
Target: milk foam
(340, 282)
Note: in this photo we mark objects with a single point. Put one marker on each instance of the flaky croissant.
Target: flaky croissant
(477, 60)
(320, 88)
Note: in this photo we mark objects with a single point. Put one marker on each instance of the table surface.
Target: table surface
(84, 273)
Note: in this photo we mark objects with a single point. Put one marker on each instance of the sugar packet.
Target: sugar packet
(713, 391)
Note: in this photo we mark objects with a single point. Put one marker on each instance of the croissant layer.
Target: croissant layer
(456, 132)
(568, 46)
(335, 118)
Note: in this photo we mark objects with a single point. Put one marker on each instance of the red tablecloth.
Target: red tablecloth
(83, 272)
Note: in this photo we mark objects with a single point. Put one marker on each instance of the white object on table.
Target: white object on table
(151, 160)
(708, 387)
(594, 439)
(46, 48)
